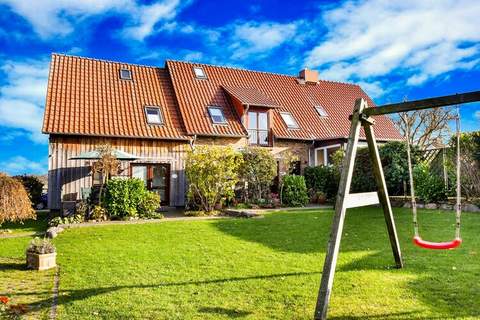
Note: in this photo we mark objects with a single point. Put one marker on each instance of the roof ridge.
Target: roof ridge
(103, 60)
(256, 71)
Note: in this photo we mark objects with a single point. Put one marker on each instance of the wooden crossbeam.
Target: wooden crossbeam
(443, 101)
(354, 200)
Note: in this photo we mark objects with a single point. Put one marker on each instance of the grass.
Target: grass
(262, 269)
(28, 227)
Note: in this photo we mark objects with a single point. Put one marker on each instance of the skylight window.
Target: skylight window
(321, 111)
(216, 114)
(289, 120)
(125, 74)
(154, 115)
(199, 73)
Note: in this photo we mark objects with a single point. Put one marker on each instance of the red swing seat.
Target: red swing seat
(437, 245)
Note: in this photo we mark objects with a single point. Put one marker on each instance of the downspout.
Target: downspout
(192, 142)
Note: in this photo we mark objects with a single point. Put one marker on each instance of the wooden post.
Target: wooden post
(333, 248)
(383, 192)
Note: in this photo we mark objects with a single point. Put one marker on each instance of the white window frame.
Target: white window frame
(224, 122)
(321, 111)
(130, 77)
(201, 70)
(160, 115)
(285, 113)
(325, 154)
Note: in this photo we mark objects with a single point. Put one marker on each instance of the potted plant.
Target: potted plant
(41, 254)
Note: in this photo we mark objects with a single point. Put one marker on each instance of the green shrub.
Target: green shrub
(322, 179)
(129, 198)
(428, 186)
(147, 208)
(212, 174)
(123, 196)
(257, 171)
(33, 186)
(294, 191)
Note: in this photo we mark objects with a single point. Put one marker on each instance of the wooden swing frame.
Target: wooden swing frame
(362, 117)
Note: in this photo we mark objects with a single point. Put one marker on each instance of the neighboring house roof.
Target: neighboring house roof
(337, 99)
(87, 97)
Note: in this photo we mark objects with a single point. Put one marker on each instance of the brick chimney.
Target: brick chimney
(310, 76)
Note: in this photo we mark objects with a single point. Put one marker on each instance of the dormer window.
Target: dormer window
(321, 111)
(154, 115)
(125, 74)
(216, 114)
(289, 120)
(199, 73)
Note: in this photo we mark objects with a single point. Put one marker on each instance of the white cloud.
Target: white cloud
(22, 97)
(373, 89)
(252, 37)
(145, 18)
(420, 39)
(20, 165)
(51, 18)
(477, 114)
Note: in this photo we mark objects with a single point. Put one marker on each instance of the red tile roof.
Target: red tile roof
(87, 97)
(336, 98)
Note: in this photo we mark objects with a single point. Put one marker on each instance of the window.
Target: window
(216, 114)
(199, 73)
(258, 128)
(289, 120)
(154, 116)
(321, 111)
(323, 156)
(125, 74)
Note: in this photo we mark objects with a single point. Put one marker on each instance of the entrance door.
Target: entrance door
(160, 181)
(156, 177)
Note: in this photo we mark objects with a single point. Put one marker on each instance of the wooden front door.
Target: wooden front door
(156, 177)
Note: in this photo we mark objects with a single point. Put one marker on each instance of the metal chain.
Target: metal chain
(458, 206)
(410, 175)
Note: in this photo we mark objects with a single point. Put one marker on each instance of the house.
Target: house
(157, 114)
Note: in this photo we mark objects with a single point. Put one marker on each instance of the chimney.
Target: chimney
(309, 76)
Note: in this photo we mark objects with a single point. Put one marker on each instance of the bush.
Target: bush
(428, 187)
(257, 171)
(147, 208)
(294, 191)
(129, 198)
(212, 174)
(322, 179)
(33, 186)
(15, 204)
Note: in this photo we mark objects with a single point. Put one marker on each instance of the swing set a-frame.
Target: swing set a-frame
(362, 117)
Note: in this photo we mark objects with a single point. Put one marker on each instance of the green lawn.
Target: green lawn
(261, 269)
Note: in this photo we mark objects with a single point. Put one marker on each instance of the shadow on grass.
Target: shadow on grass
(10, 266)
(231, 313)
(69, 296)
(301, 232)
(38, 226)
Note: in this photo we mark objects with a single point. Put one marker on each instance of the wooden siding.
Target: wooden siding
(67, 177)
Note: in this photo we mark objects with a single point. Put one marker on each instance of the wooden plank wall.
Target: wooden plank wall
(67, 177)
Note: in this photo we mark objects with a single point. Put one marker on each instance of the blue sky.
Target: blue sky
(393, 49)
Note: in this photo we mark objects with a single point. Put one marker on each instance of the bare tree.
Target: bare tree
(427, 128)
(107, 165)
